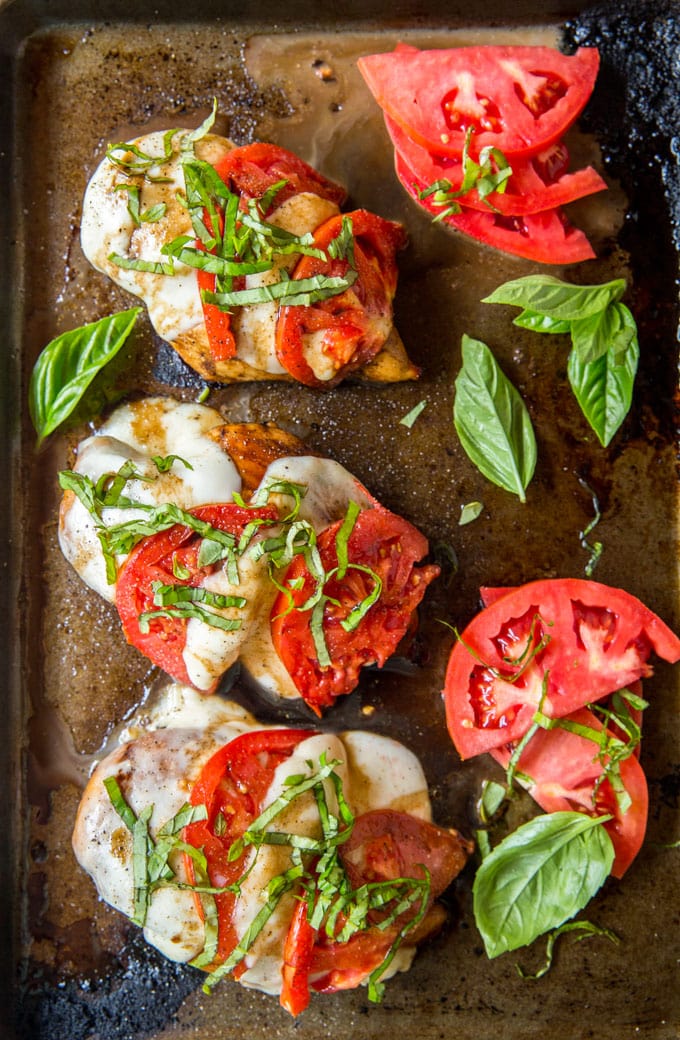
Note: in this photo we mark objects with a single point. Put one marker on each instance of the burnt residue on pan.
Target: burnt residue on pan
(635, 113)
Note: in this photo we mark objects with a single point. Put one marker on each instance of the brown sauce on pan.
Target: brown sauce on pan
(86, 86)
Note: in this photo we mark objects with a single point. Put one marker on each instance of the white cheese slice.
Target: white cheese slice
(139, 431)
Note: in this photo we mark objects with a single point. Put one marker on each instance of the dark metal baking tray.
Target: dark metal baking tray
(74, 75)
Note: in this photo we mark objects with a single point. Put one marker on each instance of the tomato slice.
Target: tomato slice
(560, 643)
(546, 237)
(232, 786)
(390, 547)
(345, 331)
(250, 171)
(160, 557)
(566, 775)
(384, 845)
(537, 183)
(517, 99)
(253, 169)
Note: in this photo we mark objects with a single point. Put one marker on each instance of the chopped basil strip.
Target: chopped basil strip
(492, 421)
(69, 363)
(584, 930)
(593, 548)
(289, 292)
(409, 419)
(489, 175)
(469, 512)
(139, 217)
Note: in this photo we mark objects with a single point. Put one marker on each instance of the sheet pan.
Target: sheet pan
(78, 75)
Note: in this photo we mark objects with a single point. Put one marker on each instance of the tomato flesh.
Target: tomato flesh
(517, 99)
(250, 171)
(350, 328)
(600, 641)
(545, 236)
(537, 183)
(160, 557)
(390, 547)
(565, 774)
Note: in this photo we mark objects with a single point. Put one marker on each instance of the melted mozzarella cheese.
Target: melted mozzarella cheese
(173, 300)
(140, 431)
(158, 766)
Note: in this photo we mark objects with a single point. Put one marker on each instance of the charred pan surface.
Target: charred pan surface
(635, 113)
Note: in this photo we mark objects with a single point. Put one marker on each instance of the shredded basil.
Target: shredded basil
(409, 419)
(489, 175)
(584, 930)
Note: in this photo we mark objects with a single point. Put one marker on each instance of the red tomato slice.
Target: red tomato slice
(537, 183)
(561, 642)
(517, 99)
(349, 329)
(232, 786)
(390, 547)
(384, 845)
(564, 771)
(152, 560)
(546, 237)
(251, 171)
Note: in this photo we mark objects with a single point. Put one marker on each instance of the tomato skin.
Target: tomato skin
(151, 560)
(517, 99)
(253, 168)
(564, 771)
(534, 185)
(546, 237)
(355, 323)
(250, 171)
(390, 547)
(232, 786)
(600, 640)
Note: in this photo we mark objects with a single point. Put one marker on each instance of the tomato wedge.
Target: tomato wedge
(250, 171)
(566, 774)
(559, 643)
(232, 786)
(321, 343)
(546, 236)
(517, 99)
(537, 183)
(160, 558)
(381, 543)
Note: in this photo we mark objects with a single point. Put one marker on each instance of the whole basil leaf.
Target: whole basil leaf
(612, 329)
(492, 421)
(545, 294)
(538, 877)
(541, 323)
(604, 388)
(68, 364)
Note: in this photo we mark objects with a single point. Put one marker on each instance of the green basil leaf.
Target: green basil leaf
(538, 877)
(492, 421)
(604, 388)
(612, 329)
(541, 323)
(68, 364)
(469, 512)
(545, 294)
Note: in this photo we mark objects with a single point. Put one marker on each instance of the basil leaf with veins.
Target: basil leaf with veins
(492, 421)
(538, 877)
(604, 388)
(69, 363)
